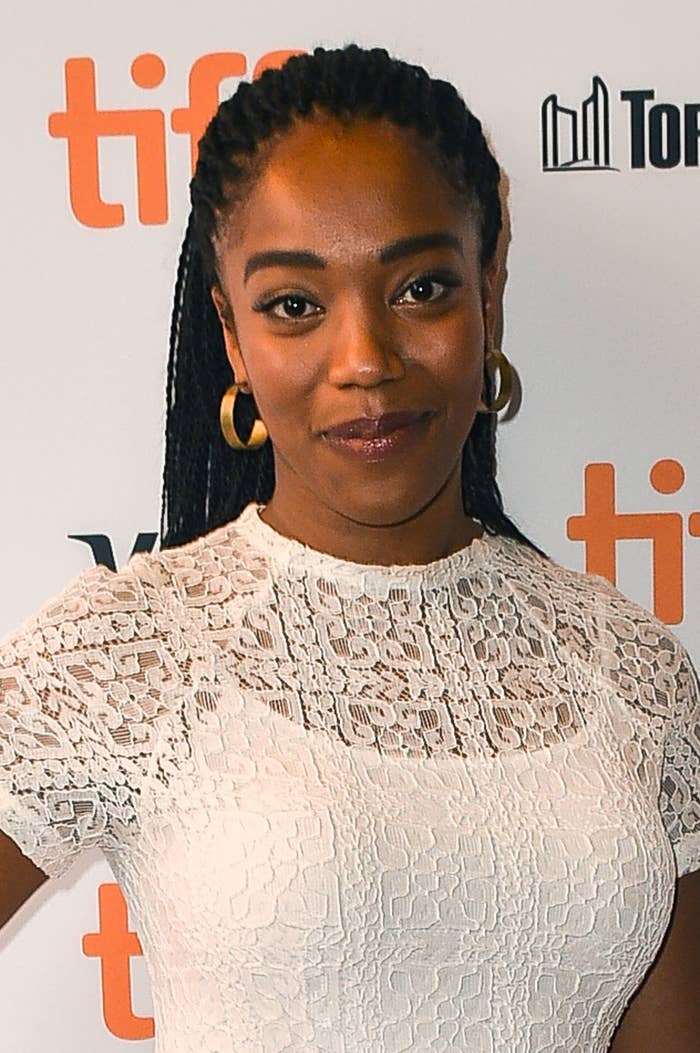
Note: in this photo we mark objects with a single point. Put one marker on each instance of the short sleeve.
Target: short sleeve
(680, 781)
(82, 685)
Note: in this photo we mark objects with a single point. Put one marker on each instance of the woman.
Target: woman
(372, 772)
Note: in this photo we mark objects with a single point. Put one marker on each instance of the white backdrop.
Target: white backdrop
(601, 315)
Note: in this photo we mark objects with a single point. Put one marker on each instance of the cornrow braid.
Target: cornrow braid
(205, 483)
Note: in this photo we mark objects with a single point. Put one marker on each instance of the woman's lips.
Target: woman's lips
(373, 427)
(377, 438)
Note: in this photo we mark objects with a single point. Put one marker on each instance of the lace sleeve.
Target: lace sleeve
(680, 784)
(81, 688)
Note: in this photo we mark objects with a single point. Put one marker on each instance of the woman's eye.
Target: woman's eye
(291, 307)
(425, 290)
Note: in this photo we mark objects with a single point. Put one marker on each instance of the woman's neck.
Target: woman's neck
(434, 532)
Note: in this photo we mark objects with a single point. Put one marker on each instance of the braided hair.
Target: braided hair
(205, 483)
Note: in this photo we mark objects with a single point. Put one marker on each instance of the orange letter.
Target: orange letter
(273, 60)
(114, 945)
(601, 527)
(82, 124)
(205, 77)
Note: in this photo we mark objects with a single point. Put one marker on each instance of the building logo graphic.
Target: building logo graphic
(577, 140)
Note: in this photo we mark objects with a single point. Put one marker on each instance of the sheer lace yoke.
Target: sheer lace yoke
(399, 630)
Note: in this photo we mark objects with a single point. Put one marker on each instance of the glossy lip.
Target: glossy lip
(374, 439)
(374, 427)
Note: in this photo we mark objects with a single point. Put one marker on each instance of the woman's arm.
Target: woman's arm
(665, 1012)
(19, 878)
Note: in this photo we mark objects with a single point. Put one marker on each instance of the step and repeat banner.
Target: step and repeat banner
(594, 113)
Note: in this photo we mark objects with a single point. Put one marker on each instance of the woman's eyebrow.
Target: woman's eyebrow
(387, 254)
(419, 243)
(282, 258)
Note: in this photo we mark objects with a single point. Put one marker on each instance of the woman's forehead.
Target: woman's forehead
(366, 180)
(325, 154)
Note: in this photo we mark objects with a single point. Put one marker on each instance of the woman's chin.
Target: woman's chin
(381, 508)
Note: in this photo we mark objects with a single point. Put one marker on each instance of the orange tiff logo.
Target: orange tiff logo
(82, 124)
(115, 945)
(602, 526)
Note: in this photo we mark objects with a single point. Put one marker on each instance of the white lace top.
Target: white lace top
(362, 809)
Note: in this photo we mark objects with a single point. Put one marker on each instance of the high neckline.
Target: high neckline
(289, 550)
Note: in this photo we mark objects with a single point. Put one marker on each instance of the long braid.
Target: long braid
(205, 483)
(173, 437)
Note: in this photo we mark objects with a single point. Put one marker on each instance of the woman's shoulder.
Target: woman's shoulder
(218, 566)
(587, 612)
(142, 597)
(526, 568)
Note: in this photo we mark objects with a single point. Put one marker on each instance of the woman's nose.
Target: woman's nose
(365, 352)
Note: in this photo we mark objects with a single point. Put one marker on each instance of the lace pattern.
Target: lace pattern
(359, 807)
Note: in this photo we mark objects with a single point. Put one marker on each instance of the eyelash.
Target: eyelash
(448, 281)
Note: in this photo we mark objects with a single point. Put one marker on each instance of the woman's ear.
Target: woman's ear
(489, 287)
(233, 352)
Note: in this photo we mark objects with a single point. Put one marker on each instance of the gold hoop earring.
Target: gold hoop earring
(259, 433)
(496, 360)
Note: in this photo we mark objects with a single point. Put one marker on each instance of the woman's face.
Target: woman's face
(357, 316)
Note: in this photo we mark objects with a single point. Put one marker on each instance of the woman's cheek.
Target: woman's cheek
(281, 382)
